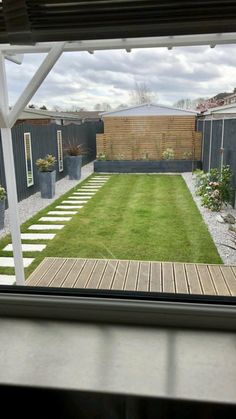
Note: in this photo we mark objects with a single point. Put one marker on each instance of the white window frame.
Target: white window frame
(60, 151)
(27, 137)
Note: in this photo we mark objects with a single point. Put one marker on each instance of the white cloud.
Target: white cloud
(82, 80)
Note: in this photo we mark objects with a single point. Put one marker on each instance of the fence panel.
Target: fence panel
(44, 141)
(216, 144)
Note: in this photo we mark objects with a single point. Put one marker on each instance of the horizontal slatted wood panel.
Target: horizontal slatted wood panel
(55, 20)
(135, 138)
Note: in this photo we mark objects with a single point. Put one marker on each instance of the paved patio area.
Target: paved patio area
(187, 278)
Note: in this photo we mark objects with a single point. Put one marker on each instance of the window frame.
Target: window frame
(60, 151)
(29, 183)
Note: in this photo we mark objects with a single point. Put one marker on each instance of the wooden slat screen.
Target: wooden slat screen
(25, 21)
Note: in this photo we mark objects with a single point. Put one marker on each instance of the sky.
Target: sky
(81, 80)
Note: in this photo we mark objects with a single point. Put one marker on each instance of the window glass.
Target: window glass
(59, 151)
(28, 159)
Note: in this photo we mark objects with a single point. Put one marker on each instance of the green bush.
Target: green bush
(214, 187)
(168, 154)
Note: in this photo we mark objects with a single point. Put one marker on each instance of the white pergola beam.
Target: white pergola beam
(35, 82)
(8, 158)
(129, 43)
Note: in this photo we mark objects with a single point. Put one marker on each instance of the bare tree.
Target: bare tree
(141, 94)
(187, 103)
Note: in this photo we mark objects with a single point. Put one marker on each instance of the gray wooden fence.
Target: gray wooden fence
(219, 144)
(44, 141)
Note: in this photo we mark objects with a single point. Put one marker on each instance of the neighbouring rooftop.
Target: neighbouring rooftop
(148, 109)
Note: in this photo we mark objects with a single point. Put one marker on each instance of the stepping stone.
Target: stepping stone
(37, 236)
(7, 279)
(82, 196)
(8, 262)
(55, 219)
(88, 194)
(71, 202)
(27, 247)
(62, 212)
(91, 187)
(79, 199)
(99, 182)
(46, 227)
(69, 206)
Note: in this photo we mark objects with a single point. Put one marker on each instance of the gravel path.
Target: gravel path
(218, 231)
(30, 206)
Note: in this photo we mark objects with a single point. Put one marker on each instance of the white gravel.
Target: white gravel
(30, 206)
(218, 231)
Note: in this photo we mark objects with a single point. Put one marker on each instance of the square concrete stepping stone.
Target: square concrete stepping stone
(55, 219)
(46, 227)
(27, 247)
(7, 279)
(69, 206)
(37, 236)
(71, 202)
(8, 262)
(62, 212)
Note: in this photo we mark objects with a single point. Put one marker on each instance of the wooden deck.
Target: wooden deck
(187, 278)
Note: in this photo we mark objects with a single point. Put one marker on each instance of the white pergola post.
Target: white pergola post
(7, 120)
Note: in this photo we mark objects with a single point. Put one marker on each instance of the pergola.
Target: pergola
(56, 26)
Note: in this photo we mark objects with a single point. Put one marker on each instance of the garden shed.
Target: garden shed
(144, 132)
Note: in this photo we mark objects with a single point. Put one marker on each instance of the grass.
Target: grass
(142, 217)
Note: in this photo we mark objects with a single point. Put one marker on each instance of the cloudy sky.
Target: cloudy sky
(83, 80)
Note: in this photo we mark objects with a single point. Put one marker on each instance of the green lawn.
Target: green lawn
(144, 217)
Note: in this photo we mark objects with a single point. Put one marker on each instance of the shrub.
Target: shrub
(75, 149)
(3, 193)
(168, 154)
(214, 187)
(187, 155)
(47, 164)
(101, 157)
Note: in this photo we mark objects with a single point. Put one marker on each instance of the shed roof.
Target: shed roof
(225, 109)
(48, 114)
(148, 109)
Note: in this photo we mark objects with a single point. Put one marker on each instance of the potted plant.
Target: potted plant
(74, 156)
(2, 206)
(47, 176)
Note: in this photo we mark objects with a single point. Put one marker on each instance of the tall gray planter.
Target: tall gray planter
(74, 164)
(2, 213)
(47, 182)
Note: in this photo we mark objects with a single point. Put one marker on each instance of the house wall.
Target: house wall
(135, 138)
(44, 141)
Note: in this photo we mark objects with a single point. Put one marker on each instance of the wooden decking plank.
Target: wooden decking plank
(132, 275)
(168, 277)
(85, 273)
(155, 277)
(180, 278)
(62, 273)
(35, 277)
(51, 272)
(218, 279)
(120, 275)
(143, 276)
(97, 273)
(108, 274)
(74, 273)
(205, 278)
(193, 279)
(230, 278)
